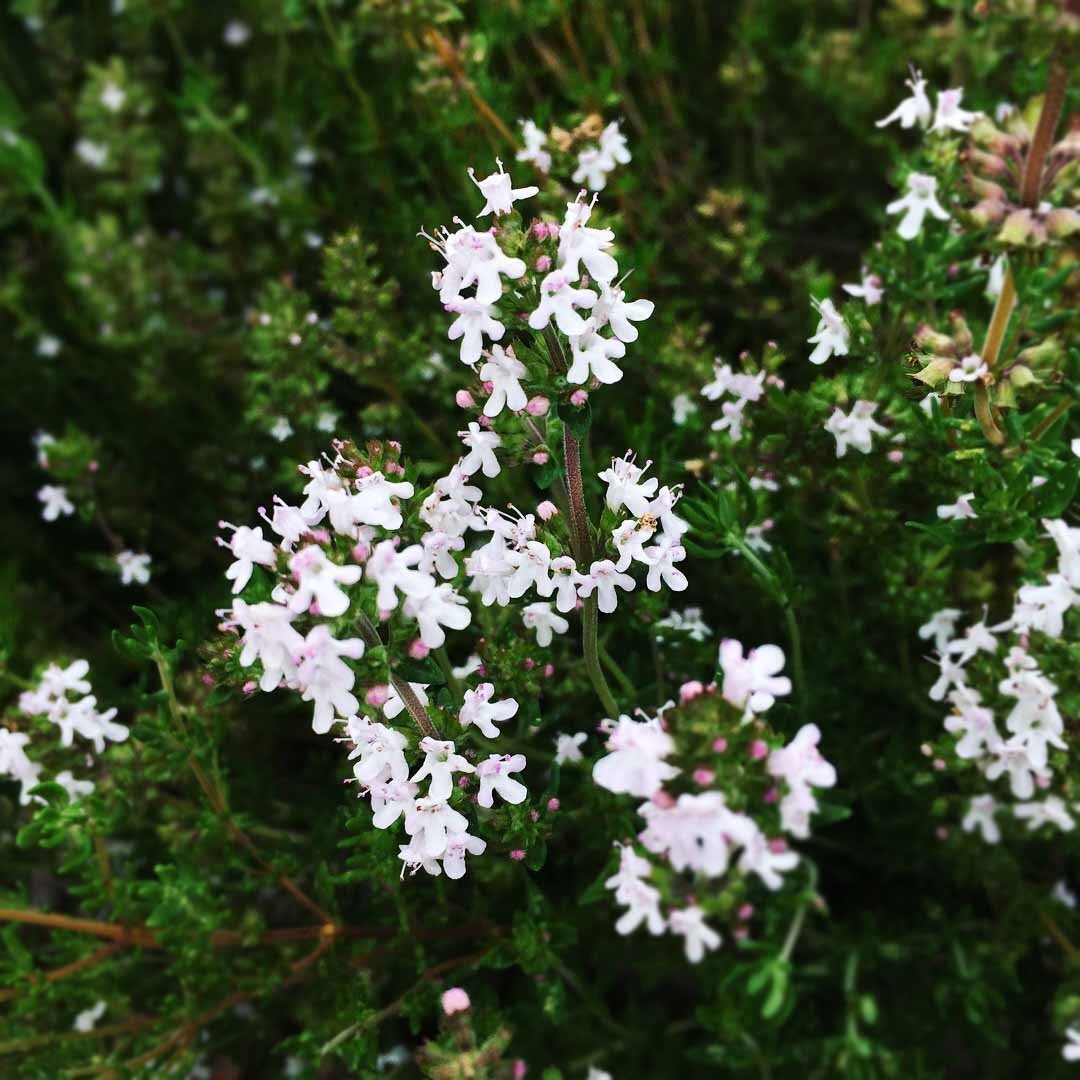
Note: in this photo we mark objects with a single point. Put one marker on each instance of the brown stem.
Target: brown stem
(1053, 102)
(404, 691)
(991, 352)
(84, 962)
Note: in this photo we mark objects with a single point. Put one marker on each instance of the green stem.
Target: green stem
(796, 659)
(452, 680)
(617, 672)
(592, 657)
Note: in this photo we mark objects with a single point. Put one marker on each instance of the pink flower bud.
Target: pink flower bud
(778, 846)
(464, 399)
(758, 749)
(578, 398)
(740, 933)
(540, 457)
(895, 456)
(485, 421)
(208, 680)
(384, 614)
(249, 686)
(534, 815)
(543, 264)
(549, 670)
(365, 470)
(942, 832)
(746, 912)
(360, 552)
(488, 386)
(528, 663)
(294, 339)
(553, 805)
(690, 690)
(538, 406)
(540, 230)
(463, 782)
(377, 695)
(394, 469)
(517, 854)
(664, 799)
(93, 466)
(547, 510)
(455, 1000)
(520, 1069)
(703, 777)
(418, 650)
(314, 609)
(770, 796)
(719, 744)
(939, 764)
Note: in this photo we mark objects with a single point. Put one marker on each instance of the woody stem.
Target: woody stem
(404, 691)
(1053, 102)
(995, 336)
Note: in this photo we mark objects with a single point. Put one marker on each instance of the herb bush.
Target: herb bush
(595, 674)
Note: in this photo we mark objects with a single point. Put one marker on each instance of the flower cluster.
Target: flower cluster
(1019, 756)
(62, 697)
(338, 569)
(601, 149)
(719, 789)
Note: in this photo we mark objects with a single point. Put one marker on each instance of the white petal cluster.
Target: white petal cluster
(1007, 722)
(697, 833)
(744, 388)
(855, 429)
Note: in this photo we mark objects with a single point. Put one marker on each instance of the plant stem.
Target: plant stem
(404, 690)
(796, 659)
(995, 337)
(592, 657)
(1030, 187)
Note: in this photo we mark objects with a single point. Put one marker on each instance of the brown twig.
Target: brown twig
(1053, 102)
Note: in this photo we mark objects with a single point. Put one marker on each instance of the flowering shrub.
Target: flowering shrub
(641, 633)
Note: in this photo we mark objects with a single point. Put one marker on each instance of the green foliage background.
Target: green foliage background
(174, 277)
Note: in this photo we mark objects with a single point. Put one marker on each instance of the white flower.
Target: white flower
(113, 97)
(325, 679)
(248, 548)
(494, 774)
(533, 151)
(682, 408)
(974, 723)
(958, 510)
(441, 761)
(481, 445)
(381, 754)
(661, 558)
(1051, 811)
(612, 310)
(1071, 1050)
(949, 116)
(630, 539)
(634, 764)
(752, 682)
(688, 621)
(429, 822)
(731, 419)
(472, 258)
(499, 192)
(48, 345)
(390, 800)
(831, 336)
(457, 846)
(1016, 758)
(969, 369)
(912, 110)
(480, 711)
(995, 279)
(625, 487)
(580, 243)
(981, 815)
(921, 198)
(662, 508)
(540, 618)
(268, 637)
(592, 169)
(800, 762)
(88, 1018)
(474, 320)
(236, 33)
(631, 889)
(1064, 895)
(326, 421)
(1068, 544)
(392, 571)
(92, 153)
(700, 938)
(75, 789)
(55, 502)
(759, 857)
(591, 356)
(281, 429)
(558, 300)
(318, 581)
(433, 610)
(941, 627)
(504, 371)
(869, 288)
(15, 763)
(568, 747)
(564, 583)
(604, 577)
(857, 429)
(133, 567)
